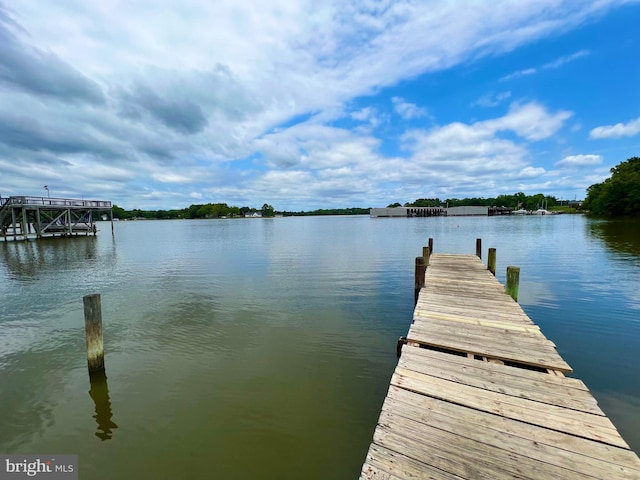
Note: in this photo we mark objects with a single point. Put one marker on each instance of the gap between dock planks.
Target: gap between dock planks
(448, 415)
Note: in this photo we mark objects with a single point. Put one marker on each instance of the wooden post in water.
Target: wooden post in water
(421, 268)
(93, 331)
(430, 245)
(513, 282)
(479, 247)
(426, 254)
(491, 261)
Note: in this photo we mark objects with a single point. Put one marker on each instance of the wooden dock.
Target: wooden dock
(480, 393)
(25, 217)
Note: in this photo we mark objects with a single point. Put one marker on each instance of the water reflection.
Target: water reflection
(28, 260)
(99, 392)
(621, 235)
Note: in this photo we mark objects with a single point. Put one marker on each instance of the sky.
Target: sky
(158, 104)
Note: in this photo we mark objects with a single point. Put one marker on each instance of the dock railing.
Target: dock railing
(57, 202)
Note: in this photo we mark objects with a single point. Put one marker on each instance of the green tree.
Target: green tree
(120, 213)
(394, 205)
(267, 210)
(425, 202)
(619, 194)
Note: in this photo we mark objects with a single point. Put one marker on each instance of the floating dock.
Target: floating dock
(24, 217)
(480, 393)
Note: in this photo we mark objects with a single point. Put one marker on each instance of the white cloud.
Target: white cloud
(530, 121)
(166, 177)
(474, 156)
(616, 131)
(547, 66)
(407, 110)
(519, 73)
(491, 100)
(566, 59)
(576, 161)
(531, 172)
(368, 115)
(363, 114)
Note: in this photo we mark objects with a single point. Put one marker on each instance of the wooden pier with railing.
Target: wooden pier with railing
(480, 393)
(24, 217)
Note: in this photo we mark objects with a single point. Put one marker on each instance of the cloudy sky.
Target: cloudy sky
(312, 104)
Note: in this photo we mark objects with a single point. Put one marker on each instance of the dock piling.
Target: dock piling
(93, 331)
(491, 261)
(430, 245)
(513, 282)
(421, 269)
(479, 247)
(426, 253)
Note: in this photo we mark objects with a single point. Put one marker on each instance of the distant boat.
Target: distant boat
(521, 211)
(542, 211)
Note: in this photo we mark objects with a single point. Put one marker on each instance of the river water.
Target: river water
(263, 348)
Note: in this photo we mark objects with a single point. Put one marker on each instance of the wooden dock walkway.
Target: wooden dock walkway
(480, 393)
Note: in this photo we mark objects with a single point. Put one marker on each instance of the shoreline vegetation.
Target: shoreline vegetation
(618, 195)
(223, 210)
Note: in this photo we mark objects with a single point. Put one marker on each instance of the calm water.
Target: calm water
(242, 349)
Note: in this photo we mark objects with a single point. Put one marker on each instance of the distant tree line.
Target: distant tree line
(222, 210)
(516, 201)
(208, 210)
(618, 195)
(330, 211)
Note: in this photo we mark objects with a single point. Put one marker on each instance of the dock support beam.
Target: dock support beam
(25, 228)
(513, 282)
(38, 224)
(479, 247)
(13, 222)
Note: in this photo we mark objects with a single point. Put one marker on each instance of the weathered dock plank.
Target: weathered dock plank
(505, 349)
(476, 395)
(538, 386)
(385, 464)
(545, 415)
(499, 323)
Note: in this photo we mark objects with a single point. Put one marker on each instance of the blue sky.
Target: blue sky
(314, 104)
